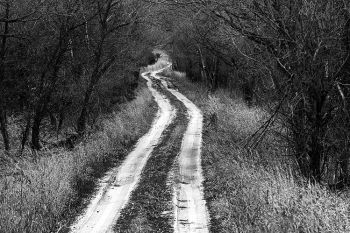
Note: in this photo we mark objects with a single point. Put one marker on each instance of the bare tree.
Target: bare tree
(112, 16)
(302, 48)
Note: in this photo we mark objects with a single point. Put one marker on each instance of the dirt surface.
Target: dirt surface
(150, 209)
(190, 212)
(116, 187)
(158, 188)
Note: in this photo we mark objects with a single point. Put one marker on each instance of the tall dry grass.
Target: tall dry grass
(159, 65)
(41, 195)
(256, 190)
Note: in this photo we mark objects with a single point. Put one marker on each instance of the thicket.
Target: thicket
(256, 190)
(63, 64)
(289, 57)
(46, 194)
(67, 70)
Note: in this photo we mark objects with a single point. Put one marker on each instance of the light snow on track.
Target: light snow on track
(116, 187)
(190, 212)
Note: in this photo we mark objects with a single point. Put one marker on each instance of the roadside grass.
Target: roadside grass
(256, 190)
(44, 194)
(159, 65)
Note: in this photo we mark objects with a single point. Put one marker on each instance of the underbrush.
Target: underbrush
(60, 122)
(256, 190)
(44, 192)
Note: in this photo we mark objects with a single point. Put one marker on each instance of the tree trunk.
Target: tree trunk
(81, 123)
(203, 68)
(318, 133)
(25, 133)
(3, 127)
(38, 117)
(36, 129)
(216, 73)
(53, 120)
(299, 137)
(344, 167)
(315, 156)
(3, 117)
(345, 72)
(60, 121)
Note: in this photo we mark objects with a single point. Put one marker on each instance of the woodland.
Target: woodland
(66, 65)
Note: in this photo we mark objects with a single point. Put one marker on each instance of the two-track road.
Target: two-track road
(190, 213)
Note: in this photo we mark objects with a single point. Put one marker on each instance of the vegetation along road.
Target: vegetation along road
(163, 116)
(115, 189)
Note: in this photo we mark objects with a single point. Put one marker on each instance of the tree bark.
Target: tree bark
(60, 121)
(3, 115)
(345, 72)
(40, 110)
(203, 67)
(25, 133)
(39, 114)
(3, 127)
(315, 156)
(81, 123)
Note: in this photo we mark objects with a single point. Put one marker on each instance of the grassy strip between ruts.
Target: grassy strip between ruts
(256, 190)
(150, 207)
(44, 196)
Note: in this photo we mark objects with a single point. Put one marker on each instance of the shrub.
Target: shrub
(257, 189)
(40, 195)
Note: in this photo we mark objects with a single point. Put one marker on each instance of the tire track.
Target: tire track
(191, 214)
(116, 187)
(150, 207)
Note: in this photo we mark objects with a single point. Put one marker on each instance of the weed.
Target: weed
(42, 194)
(256, 190)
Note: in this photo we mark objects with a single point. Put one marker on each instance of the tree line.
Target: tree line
(64, 60)
(60, 60)
(291, 57)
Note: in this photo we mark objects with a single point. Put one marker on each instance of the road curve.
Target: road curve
(116, 187)
(190, 212)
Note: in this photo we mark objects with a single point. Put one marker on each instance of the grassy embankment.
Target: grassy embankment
(44, 195)
(256, 190)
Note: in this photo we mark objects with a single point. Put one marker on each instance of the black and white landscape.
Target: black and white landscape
(174, 116)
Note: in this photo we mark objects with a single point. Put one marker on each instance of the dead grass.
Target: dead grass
(256, 190)
(159, 65)
(41, 194)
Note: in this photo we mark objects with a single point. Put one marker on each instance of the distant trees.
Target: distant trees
(290, 55)
(53, 56)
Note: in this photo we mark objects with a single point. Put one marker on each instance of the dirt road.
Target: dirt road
(116, 187)
(189, 212)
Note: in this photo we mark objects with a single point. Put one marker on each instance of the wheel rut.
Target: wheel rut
(116, 187)
(158, 188)
(150, 208)
(190, 212)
